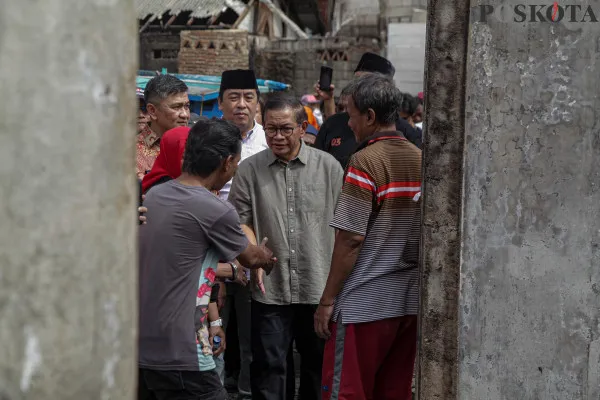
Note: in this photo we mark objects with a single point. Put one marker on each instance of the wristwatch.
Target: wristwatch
(234, 271)
(218, 322)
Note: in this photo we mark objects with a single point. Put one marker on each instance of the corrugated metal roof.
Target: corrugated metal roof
(199, 8)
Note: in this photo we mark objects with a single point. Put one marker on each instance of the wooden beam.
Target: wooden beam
(271, 22)
(262, 22)
(314, 5)
(243, 15)
(275, 10)
(150, 20)
(175, 28)
(171, 20)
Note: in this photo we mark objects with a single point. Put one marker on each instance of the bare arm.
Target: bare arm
(257, 274)
(249, 231)
(213, 315)
(345, 252)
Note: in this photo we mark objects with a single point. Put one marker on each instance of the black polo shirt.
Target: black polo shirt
(336, 138)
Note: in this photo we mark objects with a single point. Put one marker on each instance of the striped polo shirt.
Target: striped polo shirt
(379, 201)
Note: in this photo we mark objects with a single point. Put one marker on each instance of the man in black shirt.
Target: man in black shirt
(335, 136)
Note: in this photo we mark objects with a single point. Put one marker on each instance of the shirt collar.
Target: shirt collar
(148, 137)
(251, 131)
(302, 155)
(380, 136)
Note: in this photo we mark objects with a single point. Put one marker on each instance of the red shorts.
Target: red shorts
(370, 361)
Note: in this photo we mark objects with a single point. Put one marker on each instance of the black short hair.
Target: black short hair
(162, 86)
(377, 92)
(208, 144)
(281, 101)
(409, 104)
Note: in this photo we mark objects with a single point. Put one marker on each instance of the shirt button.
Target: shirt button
(291, 230)
(291, 209)
(294, 271)
(293, 251)
(290, 189)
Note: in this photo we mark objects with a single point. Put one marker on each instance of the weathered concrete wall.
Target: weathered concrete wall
(530, 294)
(445, 74)
(406, 50)
(67, 200)
(528, 325)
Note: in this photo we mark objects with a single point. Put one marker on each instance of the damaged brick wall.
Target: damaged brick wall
(299, 62)
(211, 52)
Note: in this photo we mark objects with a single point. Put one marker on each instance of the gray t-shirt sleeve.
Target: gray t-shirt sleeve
(227, 237)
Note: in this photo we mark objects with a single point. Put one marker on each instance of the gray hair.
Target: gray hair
(377, 92)
(162, 86)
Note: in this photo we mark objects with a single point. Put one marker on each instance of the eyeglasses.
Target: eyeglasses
(285, 131)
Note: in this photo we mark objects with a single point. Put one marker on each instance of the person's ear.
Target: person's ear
(370, 116)
(151, 111)
(220, 103)
(228, 163)
(303, 127)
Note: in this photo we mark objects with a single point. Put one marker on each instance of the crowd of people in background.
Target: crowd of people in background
(290, 226)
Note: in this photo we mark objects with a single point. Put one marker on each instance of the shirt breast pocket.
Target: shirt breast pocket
(314, 197)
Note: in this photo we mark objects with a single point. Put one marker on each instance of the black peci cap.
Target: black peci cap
(371, 62)
(238, 79)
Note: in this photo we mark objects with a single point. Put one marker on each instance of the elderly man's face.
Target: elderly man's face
(361, 124)
(239, 106)
(284, 133)
(169, 113)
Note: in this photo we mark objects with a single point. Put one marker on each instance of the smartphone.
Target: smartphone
(326, 78)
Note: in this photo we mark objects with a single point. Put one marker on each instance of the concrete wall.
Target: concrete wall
(527, 301)
(530, 304)
(68, 302)
(406, 50)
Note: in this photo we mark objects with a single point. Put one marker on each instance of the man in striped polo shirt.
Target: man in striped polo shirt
(368, 311)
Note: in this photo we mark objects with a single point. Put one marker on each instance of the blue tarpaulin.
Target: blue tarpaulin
(206, 88)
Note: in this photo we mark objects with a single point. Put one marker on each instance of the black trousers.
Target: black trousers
(274, 328)
(180, 385)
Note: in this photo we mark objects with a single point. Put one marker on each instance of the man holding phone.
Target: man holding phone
(335, 136)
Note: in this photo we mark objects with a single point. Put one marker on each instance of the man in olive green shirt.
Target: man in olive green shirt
(288, 194)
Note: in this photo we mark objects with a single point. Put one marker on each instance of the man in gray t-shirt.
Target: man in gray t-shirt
(189, 230)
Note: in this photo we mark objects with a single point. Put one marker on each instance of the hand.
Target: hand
(217, 331)
(322, 318)
(142, 211)
(257, 277)
(324, 94)
(241, 278)
(222, 295)
(268, 254)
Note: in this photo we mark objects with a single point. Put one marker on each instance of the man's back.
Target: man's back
(185, 224)
(378, 202)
